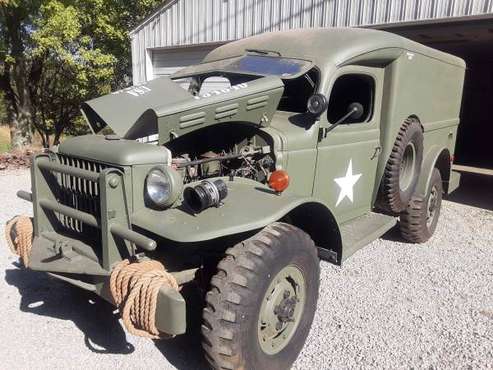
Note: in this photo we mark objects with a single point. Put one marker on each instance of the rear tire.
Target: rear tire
(262, 301)
(419, 221)
(403, 167)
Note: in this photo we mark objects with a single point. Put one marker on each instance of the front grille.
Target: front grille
(78, 193)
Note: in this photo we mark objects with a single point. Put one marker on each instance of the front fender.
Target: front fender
(248, 206)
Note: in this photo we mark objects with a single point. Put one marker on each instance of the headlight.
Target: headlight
(163, 187)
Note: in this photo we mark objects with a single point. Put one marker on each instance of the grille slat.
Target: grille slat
(78, 193)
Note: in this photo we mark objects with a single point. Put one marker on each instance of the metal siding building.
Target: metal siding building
(182, 32)
(202, 24)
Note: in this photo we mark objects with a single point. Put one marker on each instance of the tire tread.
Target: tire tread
(390, 192)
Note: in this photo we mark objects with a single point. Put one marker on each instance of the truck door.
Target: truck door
(348, 155)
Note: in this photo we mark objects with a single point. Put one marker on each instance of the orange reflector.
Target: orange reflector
(279, 180)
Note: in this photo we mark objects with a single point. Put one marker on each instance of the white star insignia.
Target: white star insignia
(346, 183)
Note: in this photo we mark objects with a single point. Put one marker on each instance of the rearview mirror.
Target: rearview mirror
(356, 110)
(317, 104)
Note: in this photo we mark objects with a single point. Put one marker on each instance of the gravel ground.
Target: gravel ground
(392, 305)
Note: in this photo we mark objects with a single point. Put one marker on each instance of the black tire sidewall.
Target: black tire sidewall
(288, 253)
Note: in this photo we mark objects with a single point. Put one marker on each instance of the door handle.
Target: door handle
(376, 152)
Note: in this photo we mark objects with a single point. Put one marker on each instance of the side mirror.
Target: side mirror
(317, 104)
(356, 110)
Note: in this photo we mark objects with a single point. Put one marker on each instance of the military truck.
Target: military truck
(318, 142)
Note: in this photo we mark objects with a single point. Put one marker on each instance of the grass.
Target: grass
(4, 139)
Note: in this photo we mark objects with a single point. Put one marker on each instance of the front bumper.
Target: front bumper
(82, 229)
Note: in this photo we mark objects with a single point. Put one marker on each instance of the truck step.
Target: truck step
(362, 230)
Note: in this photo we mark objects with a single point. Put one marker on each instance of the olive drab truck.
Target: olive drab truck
(317, 142)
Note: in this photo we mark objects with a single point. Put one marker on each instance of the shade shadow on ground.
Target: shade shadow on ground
(185, 351)
(97, 320)
(45, 296)
(393, 235)
(475, 190)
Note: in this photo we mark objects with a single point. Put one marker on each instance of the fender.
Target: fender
(248, 206)
(439, 157)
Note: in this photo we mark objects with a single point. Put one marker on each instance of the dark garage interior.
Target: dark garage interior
(470, 38)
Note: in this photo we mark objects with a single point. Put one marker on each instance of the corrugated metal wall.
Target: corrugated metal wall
(188, 22)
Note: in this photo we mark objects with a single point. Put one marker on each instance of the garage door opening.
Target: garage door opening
(470, 38)
(166, 61)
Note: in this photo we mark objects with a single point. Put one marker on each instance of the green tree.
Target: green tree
(73, 69)
(70, 51)
(109, 22)
(16, 21)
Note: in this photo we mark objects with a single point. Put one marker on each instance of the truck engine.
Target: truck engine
(223, 150)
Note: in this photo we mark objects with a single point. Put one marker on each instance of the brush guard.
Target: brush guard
(65, 255)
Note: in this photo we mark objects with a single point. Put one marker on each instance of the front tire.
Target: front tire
(262, 301)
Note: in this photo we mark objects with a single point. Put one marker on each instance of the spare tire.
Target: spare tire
(403, 167)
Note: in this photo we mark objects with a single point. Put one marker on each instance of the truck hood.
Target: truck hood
(137, 111)
(126, 111)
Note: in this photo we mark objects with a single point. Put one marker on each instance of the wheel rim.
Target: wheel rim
(281, 309)
(431, 207)
(406, 173)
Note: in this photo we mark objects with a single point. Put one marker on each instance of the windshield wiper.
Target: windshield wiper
(263, 52)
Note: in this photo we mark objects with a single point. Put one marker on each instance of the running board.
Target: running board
(362, 230)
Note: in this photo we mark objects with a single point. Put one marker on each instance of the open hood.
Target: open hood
(162, 106)
(126, 111)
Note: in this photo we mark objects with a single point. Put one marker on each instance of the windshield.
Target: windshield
(250, 64)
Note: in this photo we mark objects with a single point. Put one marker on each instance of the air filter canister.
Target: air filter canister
(209, 193)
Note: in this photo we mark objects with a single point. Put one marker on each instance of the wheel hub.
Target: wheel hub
(281, 309)
(431, 206)
(285, 309)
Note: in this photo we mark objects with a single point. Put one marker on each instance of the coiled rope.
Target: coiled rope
(19, 235)
(134, 288)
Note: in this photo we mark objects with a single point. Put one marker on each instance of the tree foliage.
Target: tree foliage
(73, 68)
(16, 23)
(69, 51)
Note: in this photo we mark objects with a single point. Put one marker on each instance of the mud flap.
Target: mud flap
(454, 181)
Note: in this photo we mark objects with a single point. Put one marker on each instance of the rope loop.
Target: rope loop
(19, 235)
(134, 287)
